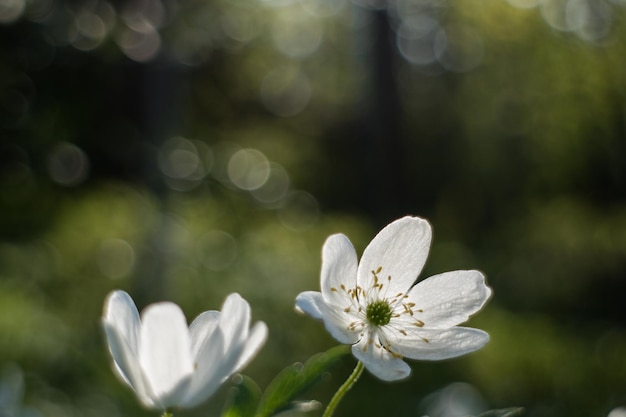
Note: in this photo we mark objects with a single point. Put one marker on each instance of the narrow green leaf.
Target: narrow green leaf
(295, 379)
(504, 412)
(245, 398)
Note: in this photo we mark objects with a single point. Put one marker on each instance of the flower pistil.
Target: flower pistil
(377, 314)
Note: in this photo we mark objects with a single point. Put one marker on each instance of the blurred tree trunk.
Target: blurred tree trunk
(384, 171)
(157, 106)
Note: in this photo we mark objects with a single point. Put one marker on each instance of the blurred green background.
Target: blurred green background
(186, 149)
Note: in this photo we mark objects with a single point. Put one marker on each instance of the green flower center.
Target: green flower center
(379, 313)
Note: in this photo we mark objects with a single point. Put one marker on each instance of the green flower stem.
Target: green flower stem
(343, 390)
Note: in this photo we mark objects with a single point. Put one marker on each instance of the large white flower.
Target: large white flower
(375, 306)
(169, 365)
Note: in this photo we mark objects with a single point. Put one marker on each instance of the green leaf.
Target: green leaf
(504, 412)
(295, 379)
(246, 395)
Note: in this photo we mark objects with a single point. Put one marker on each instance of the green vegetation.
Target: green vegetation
(259, 128)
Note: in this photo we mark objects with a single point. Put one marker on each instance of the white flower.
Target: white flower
(169, 365)
(618, 412)
(375, 306)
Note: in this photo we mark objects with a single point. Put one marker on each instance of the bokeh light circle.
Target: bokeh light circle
(116, 258)
(297, 35)
(68, 165)
(415, 39)
(248, 169)
(275, 188)
(459, 48)
(11, 10)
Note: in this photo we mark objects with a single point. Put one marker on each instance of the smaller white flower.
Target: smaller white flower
(375, 306)
(618, 412)
(170, 365)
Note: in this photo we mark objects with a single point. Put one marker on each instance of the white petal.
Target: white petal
(201, 329)
(308, 302)
(223, 354)
(165, 352)
(380, 362)
(335, 320)
(339, 266)
(256, 340)
(337, 323)
(235, 320)
(120, 312)
(206, 378)
(234, 323)
(126, 364)
(122, 325)
(400, 249)
(449, 299)
(440, 344)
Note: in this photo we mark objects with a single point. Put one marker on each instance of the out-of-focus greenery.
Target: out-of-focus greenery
(186, 150)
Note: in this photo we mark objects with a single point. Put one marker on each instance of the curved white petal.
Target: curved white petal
(400, 250)
(126, 364)
(379, 361)
(308, 302)
(201, 329)
(426, 344)
(335, 320)
(165, 352)
(235, 320)
(120, 312)
(234, 324)
(337, 323)
(217, 358)
(339, 268)
(206, 379)
(256, 340)
(121, 324)
(448, 299)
